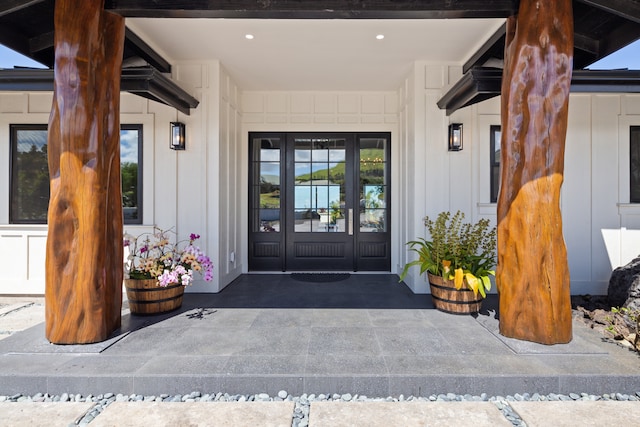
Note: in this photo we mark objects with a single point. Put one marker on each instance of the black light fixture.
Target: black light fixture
(178, 131)
(455, 137)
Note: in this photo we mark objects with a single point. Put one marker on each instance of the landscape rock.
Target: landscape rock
(624, 286)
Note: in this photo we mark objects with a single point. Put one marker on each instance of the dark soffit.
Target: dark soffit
(144, 81)
(482, 83)
(600, 26)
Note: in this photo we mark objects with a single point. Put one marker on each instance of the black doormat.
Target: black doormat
(320, 277)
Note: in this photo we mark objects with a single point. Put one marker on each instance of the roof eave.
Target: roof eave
(482, 83)
(144, 81)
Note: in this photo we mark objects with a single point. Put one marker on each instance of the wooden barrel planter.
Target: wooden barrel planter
(447, 298)
(146, 297)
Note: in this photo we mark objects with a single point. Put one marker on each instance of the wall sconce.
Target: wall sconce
(455, 137)
(178, 139)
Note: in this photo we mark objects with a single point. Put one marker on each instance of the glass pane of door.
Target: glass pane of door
(319, 187)
(373, 185)
(266, 185)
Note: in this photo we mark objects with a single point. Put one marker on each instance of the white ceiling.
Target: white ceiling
(297, 54)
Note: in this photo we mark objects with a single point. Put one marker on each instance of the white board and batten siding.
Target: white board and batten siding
(204, 189)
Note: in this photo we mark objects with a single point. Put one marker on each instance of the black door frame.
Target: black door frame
(269, 247)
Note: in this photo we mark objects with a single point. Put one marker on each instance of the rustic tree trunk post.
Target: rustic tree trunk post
(83, 294)
(533, 273)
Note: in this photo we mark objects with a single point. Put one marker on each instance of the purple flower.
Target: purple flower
(158, 258)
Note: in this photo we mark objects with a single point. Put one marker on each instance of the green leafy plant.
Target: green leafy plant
(456, 250)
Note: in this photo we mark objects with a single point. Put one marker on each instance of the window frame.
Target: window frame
(494, 187)
(137, 127)
(634, 130)
(14, 128)
(13, 153)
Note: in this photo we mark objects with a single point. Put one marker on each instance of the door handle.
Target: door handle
(350, 222)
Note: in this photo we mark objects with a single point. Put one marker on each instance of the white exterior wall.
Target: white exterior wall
(601, 227)
(231, 181)
(23, 247)
(205, 189)
(433, 179)
(181, 189)
(208, 178)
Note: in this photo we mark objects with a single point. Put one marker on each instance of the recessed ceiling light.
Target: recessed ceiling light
(380, 36)
(248, 36)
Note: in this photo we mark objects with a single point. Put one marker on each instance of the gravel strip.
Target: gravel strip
(303, 402)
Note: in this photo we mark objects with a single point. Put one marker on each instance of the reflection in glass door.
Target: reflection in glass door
(319, 187)
(321, 197)
(266, 241)
(373, 185)
(319, 202)
(373, 246)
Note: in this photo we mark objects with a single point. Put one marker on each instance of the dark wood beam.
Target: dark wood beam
(10, 6)
(41, 42)
(321, 9)
(146, 52)
(486, 51)
(586, 43)
(132, 42)
(14, 41)
(618, 38)
(627, 9)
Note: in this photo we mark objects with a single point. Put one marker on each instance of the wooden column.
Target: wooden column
(533, 273)
(83, 295)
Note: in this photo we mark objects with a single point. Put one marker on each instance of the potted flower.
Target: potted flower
(156, 270)
(458, 258)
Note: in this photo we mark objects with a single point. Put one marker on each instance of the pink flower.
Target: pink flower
(155, 256)
(167, 278)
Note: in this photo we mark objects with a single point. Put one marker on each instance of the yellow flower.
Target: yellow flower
(458, 278)
(474, 283)
(447, 266)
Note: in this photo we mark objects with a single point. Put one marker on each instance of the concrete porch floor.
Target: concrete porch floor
(268, 332)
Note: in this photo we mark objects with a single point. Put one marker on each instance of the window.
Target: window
(634, 164)
(29, 191)
(29, 188)
(131, 171)
(494, 159)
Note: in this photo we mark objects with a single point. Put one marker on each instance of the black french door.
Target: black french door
(319, 202)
